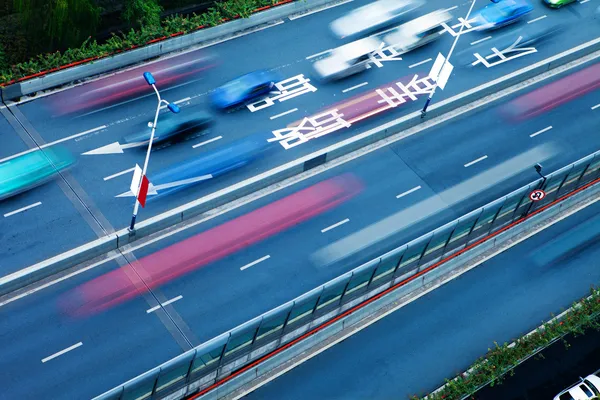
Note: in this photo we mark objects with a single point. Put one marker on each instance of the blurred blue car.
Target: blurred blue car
(245, 88)
(500, 14)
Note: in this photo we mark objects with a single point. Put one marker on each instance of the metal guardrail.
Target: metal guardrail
(206, 365)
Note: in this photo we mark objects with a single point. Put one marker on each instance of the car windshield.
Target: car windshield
(496, 13)
(595, 389)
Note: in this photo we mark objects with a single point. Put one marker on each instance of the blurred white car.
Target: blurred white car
(372, 17)
(346, 60)
(586, 389)
(418, 32)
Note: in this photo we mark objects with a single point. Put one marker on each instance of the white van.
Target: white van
(418, 32)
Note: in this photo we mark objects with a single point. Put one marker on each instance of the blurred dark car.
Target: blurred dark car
(245, 88)
(172, 128)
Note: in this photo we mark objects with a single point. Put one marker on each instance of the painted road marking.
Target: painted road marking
(255, 262)
(419, 63)
(53, 143)
(60, 353)
(119, 174)
(322, 9)
(355, 87)
(540, 132)
(408, 192)
(335, 225)
(475, 161)
(451, 8)
(481, 40)
(596, 106)
(166, 303)
(283, 113)
(537, 19)
(583, 1)
(177, 102)
(39, 203)
(318, 54)
(207, 141)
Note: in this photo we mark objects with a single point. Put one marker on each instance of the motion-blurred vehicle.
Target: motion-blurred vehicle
(245, 88)
(500, 14)
(125, 86)
(346, 60)
(558, 3)
(418, 32)
(585, 389)
(172, 128)
(373, 17)
(32, 169)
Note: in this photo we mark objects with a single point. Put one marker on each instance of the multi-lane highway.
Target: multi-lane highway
(84, 203)
(108, 348)
(414, 349)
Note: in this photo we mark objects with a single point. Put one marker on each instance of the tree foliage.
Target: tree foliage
(145, 13)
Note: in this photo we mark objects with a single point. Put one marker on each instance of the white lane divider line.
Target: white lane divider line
(583, 1)
(451, 8)
(177, 102)
(166, 303)
(119, 174)
(255, 262)
(419, 63)
(408, 192)
(283, 113)
(53, 143)
(39, 203)
(60, 353)
(475, 161)
(318, 54)
(319, 10)
(335, 225)
(596, 106)
(355, 87)
(207, 142)
(537, 19)
(540, 132)
(481, 40)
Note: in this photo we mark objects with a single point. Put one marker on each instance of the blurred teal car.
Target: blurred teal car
(32, 169)
(558, 3)
(500, 14)
(245, 88)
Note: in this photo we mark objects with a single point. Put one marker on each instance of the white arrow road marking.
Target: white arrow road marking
(153, 190)
(114, 148)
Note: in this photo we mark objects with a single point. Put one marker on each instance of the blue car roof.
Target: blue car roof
(256, 77)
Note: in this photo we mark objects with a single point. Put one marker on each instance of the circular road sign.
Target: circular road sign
(537, 195)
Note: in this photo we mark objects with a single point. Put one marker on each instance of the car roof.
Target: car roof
(255, 77)
(418, 25)
(357, 49)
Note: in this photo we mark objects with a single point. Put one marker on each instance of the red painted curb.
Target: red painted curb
(75, 63)
(390, 289)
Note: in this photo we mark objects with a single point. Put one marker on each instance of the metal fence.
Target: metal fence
(207, 364)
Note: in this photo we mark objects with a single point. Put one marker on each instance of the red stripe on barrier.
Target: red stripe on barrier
(261, 9)
(156, 40)
(388, 290)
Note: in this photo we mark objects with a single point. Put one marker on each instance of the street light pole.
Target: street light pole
(174, 109)
(424, 110)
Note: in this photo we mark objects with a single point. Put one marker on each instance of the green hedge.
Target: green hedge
(492, 368)
(90, 49)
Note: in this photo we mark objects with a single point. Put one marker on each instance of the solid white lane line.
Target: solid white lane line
(283, 113)
(583, 1)
(39, 203)
(335, 225)
(119, 174)
(537, 19)
(207, 141)
(177, 102)
(53, 143)
(481, 40)
(596, 106)
(255, 262)
(318, 54)
(355, 87)
(419, 63)
(408, 192)
(319, 10)
(475, 161)
(60, 353)
(540, 132)
(166, 303)
(451, 8)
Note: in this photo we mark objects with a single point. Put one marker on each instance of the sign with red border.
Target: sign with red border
(537, 195)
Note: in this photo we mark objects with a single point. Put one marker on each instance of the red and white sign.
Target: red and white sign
(537, 195)
(139, 182)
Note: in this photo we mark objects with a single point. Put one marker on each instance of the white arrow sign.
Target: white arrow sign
(153, 190)
(114, 148)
